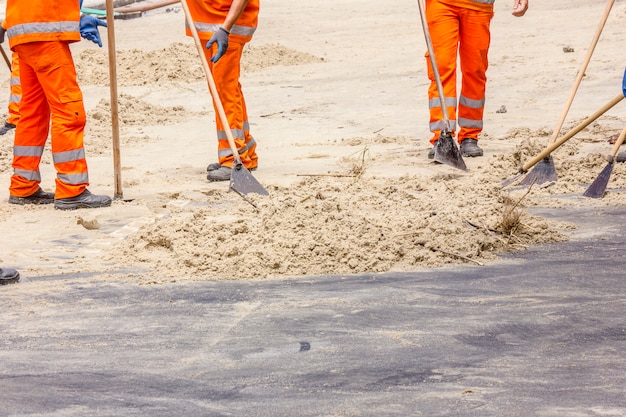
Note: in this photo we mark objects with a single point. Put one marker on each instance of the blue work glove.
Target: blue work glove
(221, 38)
(89, 28)
(624, 84)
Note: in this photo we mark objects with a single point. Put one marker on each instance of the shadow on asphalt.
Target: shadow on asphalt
(540, 333)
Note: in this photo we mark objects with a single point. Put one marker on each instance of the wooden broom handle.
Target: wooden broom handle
(581, 73)
(115, 122)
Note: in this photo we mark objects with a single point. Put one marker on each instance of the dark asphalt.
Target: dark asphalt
(541, 333)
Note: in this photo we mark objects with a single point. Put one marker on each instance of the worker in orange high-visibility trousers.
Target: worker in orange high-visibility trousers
(461, 29)
(226, 26)
(40, 32)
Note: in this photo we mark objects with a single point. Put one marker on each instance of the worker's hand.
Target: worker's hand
(519, 7)
(221, 38)
(89, 28)
(624, 84)
(2, 32)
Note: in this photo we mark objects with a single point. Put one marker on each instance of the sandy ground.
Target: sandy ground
(337, 101)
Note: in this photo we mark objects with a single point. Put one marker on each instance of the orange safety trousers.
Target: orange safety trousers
(458, 30)
(226, 73)
(16, 91)
(52, 102)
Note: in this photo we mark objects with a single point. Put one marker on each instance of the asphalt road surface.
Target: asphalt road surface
(541, 333)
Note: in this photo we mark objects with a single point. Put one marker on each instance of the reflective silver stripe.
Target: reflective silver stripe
(470, 123)
(237, 134)
(14, 98)
(434, 103)
(68, 156)
(484, 1)
(15, 81)
(74, 179)
(440, 125)
(235, 30)
(224, 152)
(36, 151)
(242, 30)
(43, 27)
(29, 175)
(227, 152)
(471, 103)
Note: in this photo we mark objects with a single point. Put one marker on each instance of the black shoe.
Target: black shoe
(431, 153)
(39, 197)
(220, 174)
(469, 148)
(8, 276)
(7, 126)
(621, 157)
(213, 167)
(83, 200)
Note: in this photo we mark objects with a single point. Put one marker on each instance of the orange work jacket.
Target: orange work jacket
(36, 21)
(208, 16)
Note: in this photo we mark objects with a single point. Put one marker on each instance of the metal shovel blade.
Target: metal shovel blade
(543, 172)
(447, 152)
(598, 186)
(511, 180)
(242, 181)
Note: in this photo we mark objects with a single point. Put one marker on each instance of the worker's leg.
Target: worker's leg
(443, 25)
(473, 51)
(55, 70)
(226, 74)
(31, 133)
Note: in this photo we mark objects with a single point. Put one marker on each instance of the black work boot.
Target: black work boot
(469, 148)
(8, 276)
(220, 174)
(83, 200)
(7, 126)
(213, 166)
(38, 197)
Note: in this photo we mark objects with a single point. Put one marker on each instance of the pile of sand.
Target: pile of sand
(338, 222)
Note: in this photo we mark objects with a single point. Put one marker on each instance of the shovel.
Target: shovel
(446, 150)
(548, 150)
(241, 180)
(598, 187)
(545, 171)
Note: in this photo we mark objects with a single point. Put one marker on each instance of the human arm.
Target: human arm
(519, 7)
(220, 37)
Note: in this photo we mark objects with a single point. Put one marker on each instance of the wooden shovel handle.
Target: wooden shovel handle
(212, 87)
(617, 145)
(550, 148)
(6, 58)
(433, 64)
(581, 73)
(115, 122)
